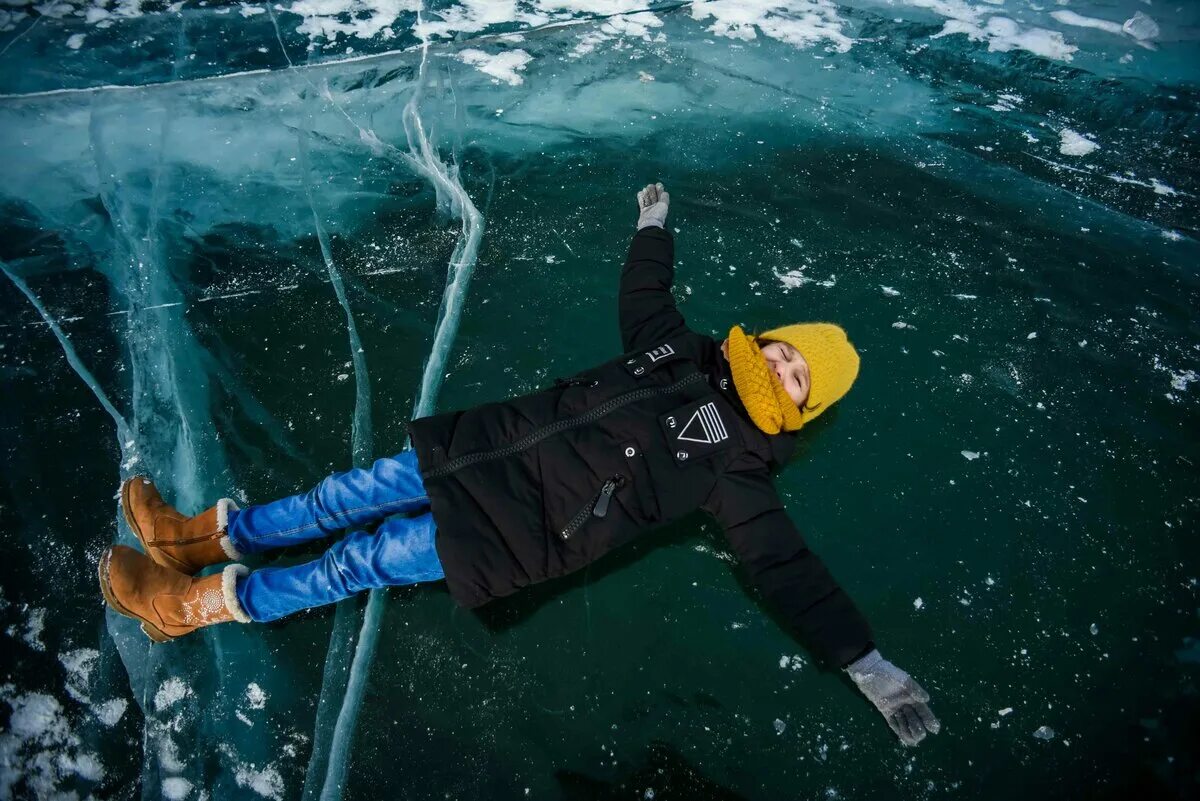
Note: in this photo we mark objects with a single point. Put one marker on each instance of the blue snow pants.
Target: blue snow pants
(400, 551)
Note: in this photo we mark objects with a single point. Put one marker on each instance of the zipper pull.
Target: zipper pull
(606, 493)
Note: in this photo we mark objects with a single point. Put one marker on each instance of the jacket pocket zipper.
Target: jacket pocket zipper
(597, 506)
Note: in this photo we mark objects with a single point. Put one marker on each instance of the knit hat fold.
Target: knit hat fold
(832, 363)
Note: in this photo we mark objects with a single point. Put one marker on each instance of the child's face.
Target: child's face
(787, 363)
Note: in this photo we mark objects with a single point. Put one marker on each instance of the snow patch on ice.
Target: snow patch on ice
(39, 749)
(266, 782)
(800, 23)
(110, 712)
(501, 66)
(176, 788)
(170, 692)
(35, 624)
(1003, 34)
(256, 697)
(1073, 143)
(75, 41)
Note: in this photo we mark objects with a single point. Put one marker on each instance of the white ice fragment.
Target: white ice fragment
(1006, 711)
(1044, 733)
(1094, 629)
(961, 296)
(343, 376)
(970, 456)
(791, 662)
(75, 41)
(918, 603)
(889, 291)
(779, 726)
(255, 696)
(901, 325)
(1073, 143)
(1080, 21)
(1032, 335)
(1141, 27)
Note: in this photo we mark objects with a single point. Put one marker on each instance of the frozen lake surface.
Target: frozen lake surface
(243, 244)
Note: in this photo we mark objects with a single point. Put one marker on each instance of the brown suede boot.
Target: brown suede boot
(169, 603)
(182, 543)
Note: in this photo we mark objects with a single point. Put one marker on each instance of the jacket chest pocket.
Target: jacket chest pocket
(639, 473)
(698, 429)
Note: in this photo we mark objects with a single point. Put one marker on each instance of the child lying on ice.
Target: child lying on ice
(504, 495)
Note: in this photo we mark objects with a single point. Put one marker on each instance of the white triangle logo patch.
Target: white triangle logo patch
(705, 426)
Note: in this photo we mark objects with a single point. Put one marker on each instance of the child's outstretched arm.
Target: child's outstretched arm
(795, 582)
(647, 307)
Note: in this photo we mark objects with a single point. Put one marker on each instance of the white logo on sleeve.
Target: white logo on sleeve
(661, 352)
(705, 426)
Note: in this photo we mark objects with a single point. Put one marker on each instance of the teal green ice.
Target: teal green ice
(239, 257)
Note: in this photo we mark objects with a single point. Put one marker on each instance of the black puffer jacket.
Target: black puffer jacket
(540, 485)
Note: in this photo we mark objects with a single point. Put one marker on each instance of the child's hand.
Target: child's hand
(652, 206)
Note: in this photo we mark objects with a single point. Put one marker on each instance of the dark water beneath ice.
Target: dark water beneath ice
(1009, 492)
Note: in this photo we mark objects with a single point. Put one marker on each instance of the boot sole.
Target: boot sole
(149, 629)
(153, 552)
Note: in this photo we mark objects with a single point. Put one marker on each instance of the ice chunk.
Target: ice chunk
(970, 456)
(779, 726)
(918, 603)
(1044, 733)
(1141, 27)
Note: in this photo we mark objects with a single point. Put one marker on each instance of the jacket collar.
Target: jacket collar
(779, 447)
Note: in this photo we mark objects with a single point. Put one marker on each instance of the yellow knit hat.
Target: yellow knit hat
(832, 364)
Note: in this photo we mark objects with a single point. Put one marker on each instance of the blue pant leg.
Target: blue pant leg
(401, 551)
(355, 498)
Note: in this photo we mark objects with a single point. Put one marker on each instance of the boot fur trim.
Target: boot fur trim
(229, 577)
(223, 508)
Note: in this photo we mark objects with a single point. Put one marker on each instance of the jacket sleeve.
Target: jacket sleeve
(647, 307)
(791, 578)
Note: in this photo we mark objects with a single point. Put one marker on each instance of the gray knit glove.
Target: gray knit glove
(652, 205)
(897, 696)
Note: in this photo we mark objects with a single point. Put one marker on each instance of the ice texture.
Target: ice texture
(239, 242)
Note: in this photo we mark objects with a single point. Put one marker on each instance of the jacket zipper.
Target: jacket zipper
(537, 435)
(598, 505)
